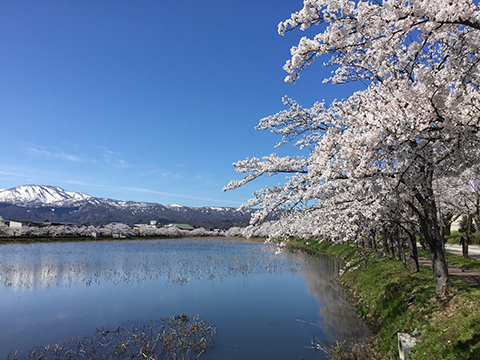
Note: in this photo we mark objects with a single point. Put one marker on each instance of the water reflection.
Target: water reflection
(263, 305)
(338, 317)
(44, 265)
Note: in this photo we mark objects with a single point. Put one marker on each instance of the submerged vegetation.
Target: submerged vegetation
(393, 300)
(178, 337)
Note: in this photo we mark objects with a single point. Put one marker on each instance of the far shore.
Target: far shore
(33, 240)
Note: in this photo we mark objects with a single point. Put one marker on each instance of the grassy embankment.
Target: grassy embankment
(392, 300)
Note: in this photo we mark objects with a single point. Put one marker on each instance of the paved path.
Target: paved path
(473, 250)
(472, 275)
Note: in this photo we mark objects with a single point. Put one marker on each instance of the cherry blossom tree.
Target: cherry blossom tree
(235, 231)
(201, 231)
(384, 147)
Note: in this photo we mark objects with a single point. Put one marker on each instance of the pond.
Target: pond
(263, 304)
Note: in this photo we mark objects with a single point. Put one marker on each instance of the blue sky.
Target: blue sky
(145, 100)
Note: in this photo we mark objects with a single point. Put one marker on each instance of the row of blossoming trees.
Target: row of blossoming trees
(377, 160)
(108, 231)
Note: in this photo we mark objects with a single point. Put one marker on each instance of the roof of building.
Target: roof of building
(183, 226)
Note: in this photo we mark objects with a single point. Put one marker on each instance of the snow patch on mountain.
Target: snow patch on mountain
(216, 208)
(41, 195)
(39, 202)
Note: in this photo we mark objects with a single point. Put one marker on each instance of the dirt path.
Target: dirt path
(472, 275)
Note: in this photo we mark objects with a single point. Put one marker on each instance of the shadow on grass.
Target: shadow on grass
(469, 347)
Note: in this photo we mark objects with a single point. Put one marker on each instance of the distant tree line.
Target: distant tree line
(113, 230)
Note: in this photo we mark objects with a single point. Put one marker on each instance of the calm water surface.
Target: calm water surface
(263, 305)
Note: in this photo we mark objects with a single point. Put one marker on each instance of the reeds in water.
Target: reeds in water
(178, 337)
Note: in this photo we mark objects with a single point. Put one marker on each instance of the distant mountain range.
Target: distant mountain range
(40, 203)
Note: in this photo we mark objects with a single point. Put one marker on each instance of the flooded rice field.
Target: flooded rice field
(218, 298)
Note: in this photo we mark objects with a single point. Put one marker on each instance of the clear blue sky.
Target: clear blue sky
(145, 100)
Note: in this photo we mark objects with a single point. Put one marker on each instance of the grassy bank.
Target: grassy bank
(392, 300)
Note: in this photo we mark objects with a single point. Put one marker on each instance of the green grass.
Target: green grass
(455, 236)
(392, 300)
(339, 251)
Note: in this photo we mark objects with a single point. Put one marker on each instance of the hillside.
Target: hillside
(41, 202)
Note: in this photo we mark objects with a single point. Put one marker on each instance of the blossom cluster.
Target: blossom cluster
(376, 158)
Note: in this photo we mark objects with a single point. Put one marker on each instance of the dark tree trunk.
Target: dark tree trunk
(476, 215)
(447, 220)
(412, 244)
(373, 242)
(402, 244)
(476, 218)
(440, 267)
(434, 240)
(464, 240)
(362, 241)
(433, 236)
(391, 252)
(447, 229)
(383, 251)
(386, 248)
(396, 243)
(413, 257)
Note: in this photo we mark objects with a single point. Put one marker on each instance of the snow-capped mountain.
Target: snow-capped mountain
(41, 202)
(40, 195)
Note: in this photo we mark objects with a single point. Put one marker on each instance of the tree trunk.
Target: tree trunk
(464, 240)
(447, 229)
(466, 237)
(383, 251)
(402, 244)
(476, 216)
(413, 257)
(440, 268)
(434, 239)
(373, 242)
(389, 237)
(396, 243)
(447, 220)
(412, 244)
(427, 213)
(362, 241)
(385, 242)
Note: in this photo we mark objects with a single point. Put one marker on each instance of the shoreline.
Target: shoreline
(25, 240)
(391, 300)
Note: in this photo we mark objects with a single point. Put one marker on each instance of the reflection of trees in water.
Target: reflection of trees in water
(175, 262)
(339, 319)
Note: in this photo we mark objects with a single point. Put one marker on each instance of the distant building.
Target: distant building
(153, 224)
(182, 226)
(15, 223)
(456, 224)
